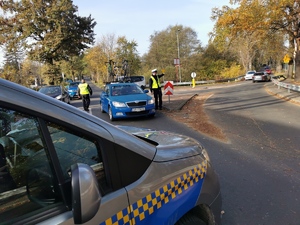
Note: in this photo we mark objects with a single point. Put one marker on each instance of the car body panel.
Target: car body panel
(179, 175)
(261, 76)
(133, 104)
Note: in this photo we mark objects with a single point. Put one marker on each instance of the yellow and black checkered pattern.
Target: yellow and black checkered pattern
(147, 205)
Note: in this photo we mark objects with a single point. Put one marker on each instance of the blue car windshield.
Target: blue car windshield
(73, 85)
(126, 90)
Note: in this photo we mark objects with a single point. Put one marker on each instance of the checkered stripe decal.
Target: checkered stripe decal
(147, 205)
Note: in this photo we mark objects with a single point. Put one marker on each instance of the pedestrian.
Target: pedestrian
(155, 88)
(84, 92)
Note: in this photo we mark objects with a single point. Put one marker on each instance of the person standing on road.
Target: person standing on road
(84, 92)
(155, 88)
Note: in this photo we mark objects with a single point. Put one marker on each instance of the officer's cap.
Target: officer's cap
(155, 70)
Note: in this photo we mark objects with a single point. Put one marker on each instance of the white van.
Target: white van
(139, 80)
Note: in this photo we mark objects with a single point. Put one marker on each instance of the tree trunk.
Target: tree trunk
(297, 66)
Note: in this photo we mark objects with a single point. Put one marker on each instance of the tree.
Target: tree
(270, 23)
(74, 67)
(164, 49)
(50, 30)
(126, 51)
(97, 58)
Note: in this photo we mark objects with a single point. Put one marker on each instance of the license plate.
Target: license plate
(138, 109)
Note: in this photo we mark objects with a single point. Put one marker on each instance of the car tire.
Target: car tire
(111, 117)
(152, 115)
(101, 108)
(190, 219)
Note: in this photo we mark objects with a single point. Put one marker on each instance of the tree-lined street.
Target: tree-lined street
(259, 164)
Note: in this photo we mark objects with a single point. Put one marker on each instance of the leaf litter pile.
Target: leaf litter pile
(192, 114)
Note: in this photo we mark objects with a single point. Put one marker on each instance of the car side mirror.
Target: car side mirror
(146, 91)
(86, 196)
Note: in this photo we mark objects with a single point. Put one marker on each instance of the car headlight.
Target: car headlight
(205, 155)
(59, 97)
(118, 104)
(151, 102)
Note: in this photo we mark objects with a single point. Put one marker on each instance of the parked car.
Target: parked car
(72, 89)
(57, 92)
(66, 166)
(138, 79)
(268, 70)
(261, 76)
(249, 75)
(126, 100)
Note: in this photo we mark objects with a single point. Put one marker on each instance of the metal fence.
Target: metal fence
(285, 85)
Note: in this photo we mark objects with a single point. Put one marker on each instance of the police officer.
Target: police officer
(155, 88)
(84, 92)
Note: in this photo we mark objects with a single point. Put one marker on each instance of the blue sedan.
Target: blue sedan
(126, 100)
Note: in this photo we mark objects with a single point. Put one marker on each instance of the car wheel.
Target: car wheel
(190, 219)
(152, 115)
(110, 114)
(101, 108)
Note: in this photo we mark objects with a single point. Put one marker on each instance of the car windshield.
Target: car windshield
(50, 90)
(126, 90)
(73, 85)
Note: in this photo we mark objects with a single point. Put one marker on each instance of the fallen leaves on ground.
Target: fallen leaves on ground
(192, 114)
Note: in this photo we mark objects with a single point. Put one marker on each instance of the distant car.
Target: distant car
(249, 75)
(72, 89)
(138, 79)
(62, 165)
(261, 76)
(125, 100)
(56, 91)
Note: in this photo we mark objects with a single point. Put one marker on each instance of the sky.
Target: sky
(137, 20)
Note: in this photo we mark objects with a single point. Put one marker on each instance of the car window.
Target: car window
(72, 147)
(107, 90)
(27, 184)
(131, 89)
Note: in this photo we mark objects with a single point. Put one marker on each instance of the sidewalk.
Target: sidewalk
(179, 99)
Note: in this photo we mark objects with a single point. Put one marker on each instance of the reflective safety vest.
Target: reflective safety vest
(84, 89)
(155, 84)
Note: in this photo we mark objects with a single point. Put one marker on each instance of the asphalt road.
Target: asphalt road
(259, 166)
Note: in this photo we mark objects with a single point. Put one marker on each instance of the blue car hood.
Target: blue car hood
(72, 89)
(129, 98)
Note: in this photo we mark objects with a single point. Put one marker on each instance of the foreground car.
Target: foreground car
(249, 75)
(55, 171)
(125, 100)
(72, 89)
(56, 91)
(261, 76)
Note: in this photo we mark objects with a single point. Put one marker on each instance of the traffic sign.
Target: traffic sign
(193, 74)
(168, 88)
